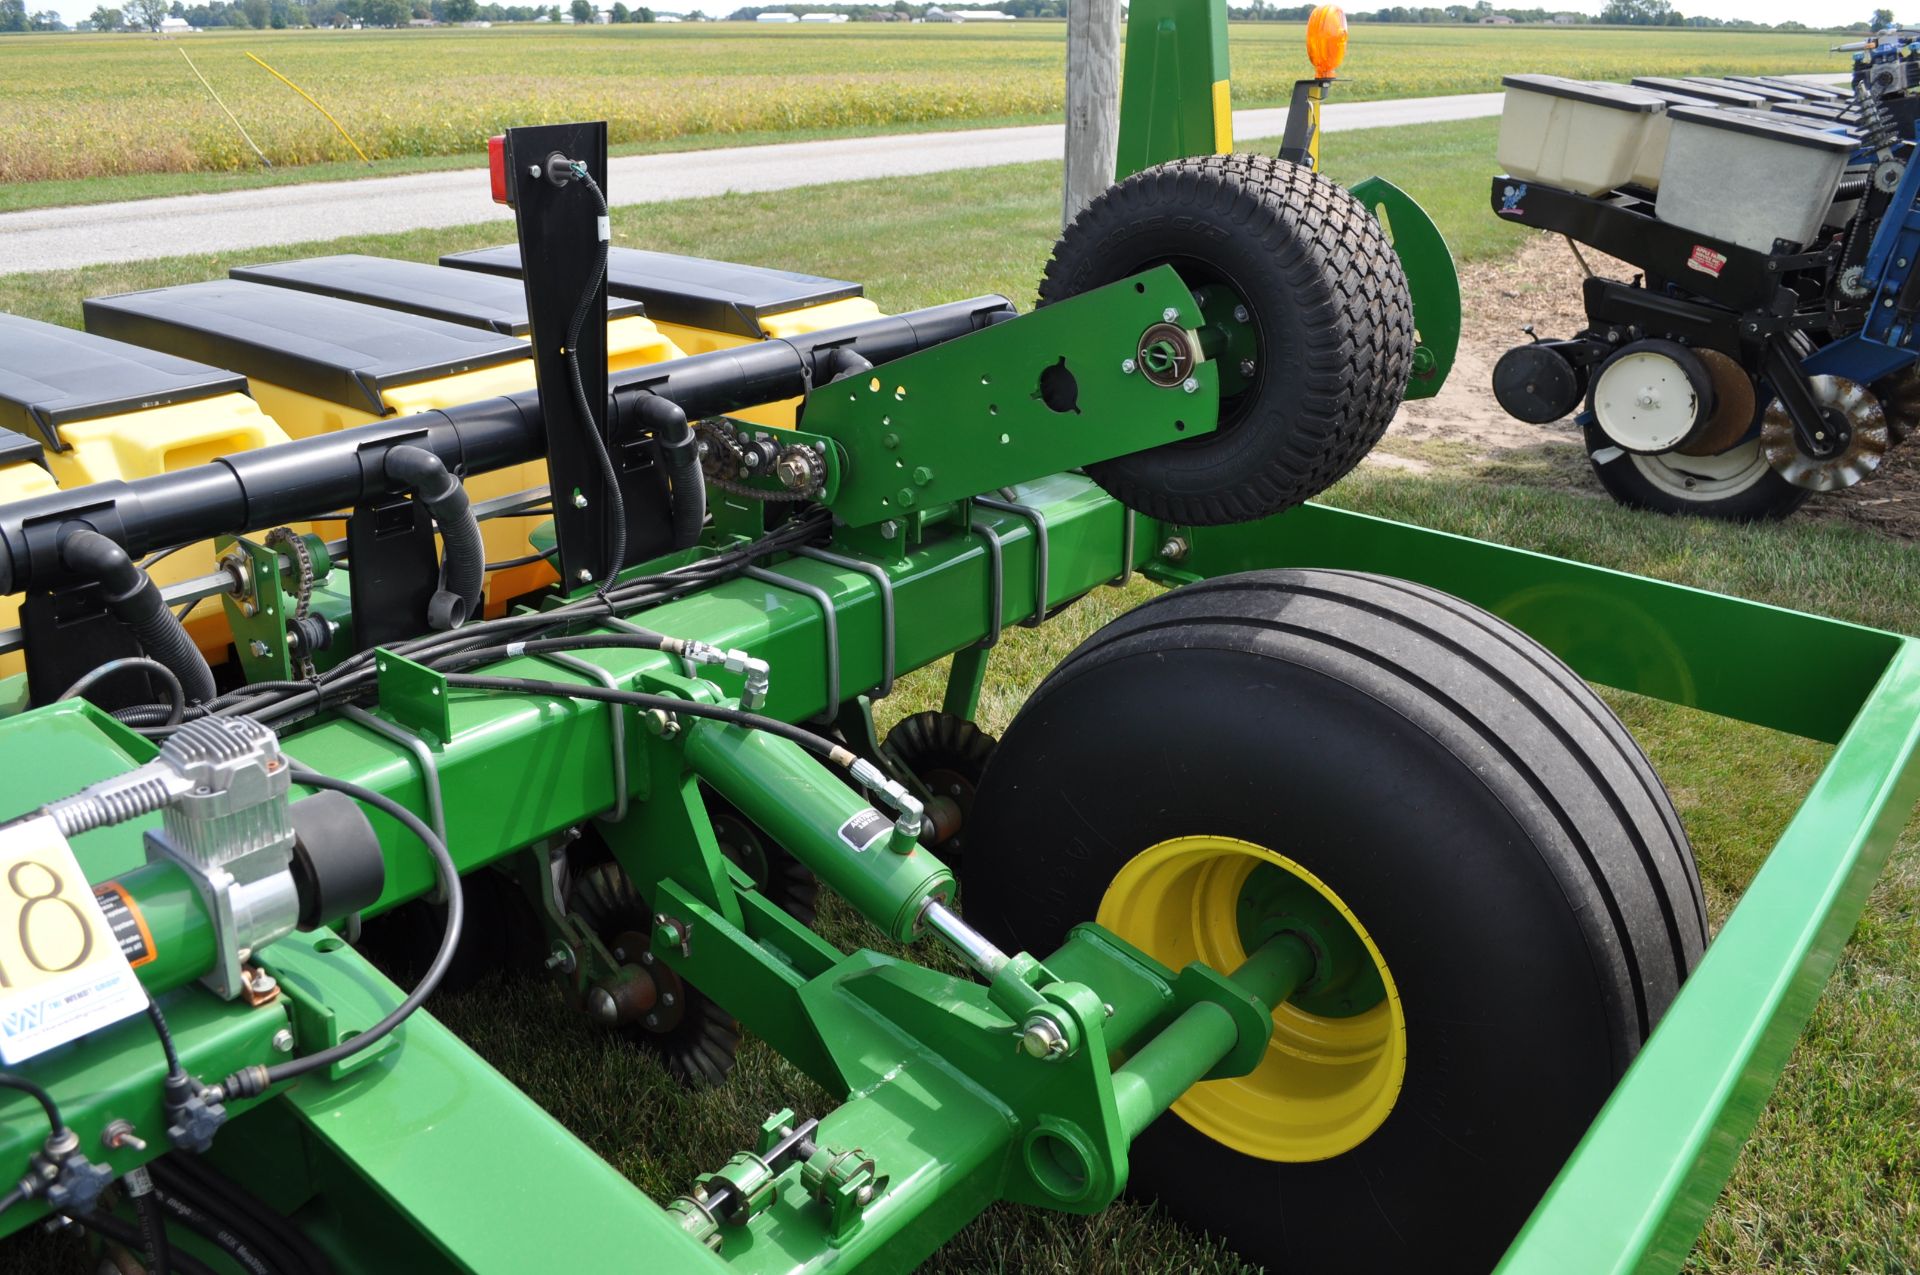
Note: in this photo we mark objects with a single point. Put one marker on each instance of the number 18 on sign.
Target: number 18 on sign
(62, 973)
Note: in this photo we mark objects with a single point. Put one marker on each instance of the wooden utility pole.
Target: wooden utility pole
(1093, 101)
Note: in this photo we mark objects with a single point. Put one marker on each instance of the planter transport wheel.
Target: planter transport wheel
(948, 754)
(1498, 893)
(1307, 316)
(694, 1037)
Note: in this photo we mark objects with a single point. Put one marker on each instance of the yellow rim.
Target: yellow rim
(1326, 1083)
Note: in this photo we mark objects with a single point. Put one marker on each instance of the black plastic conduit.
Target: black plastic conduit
(134, 599)
(463, 559)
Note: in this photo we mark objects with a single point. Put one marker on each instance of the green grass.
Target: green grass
(106, 105)
(1830, 1180)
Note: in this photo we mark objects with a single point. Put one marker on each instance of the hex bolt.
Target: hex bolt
(889, 529)
(261, 983)
(1190, 385)
(1240, 314)
(583, 575)
(259, 648)
(1246, 367)
(1174, 550)
(922, 475)
(864, 1196)
(561, 959)
(1127, 365)
(653, 1021)
(283, 1041)
(1169, 314)
(666, 999)
(579, 500)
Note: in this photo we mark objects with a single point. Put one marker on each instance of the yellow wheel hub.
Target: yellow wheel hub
(1326, 1082)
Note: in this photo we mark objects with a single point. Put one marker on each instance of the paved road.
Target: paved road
(65, 238)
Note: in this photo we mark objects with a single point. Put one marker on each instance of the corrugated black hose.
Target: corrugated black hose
(463, 558)
(133, 598)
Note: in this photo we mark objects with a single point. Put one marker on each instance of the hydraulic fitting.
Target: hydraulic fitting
(895, 795)
(758, 674)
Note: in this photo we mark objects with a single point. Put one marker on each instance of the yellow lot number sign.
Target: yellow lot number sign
(63, 973)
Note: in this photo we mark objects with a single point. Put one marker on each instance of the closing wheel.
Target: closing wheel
(695, 1039)
(1307, 317)
(1499, 893)
(948, 754)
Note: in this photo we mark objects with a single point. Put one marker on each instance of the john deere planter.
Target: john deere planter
(1317, 898)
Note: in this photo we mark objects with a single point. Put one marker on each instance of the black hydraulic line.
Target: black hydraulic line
(176, 693)
(160, 1029)
(10, 1081)
(590, 422)
(153, 1233)
(462, 558)
(127, 1235)
(280, 703)
(249, 1081)
(290, 482)
(227, 1202)
(134, 599)
(820, 746)
(216, 1232)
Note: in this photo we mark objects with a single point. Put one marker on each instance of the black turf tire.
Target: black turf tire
(1768, 497)
(1498, 832)
(1329, 301)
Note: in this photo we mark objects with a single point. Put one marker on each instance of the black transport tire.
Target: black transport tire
(1329, 304)
(1659, 483)
(1487, 819)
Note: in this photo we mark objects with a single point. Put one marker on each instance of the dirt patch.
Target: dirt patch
(1462, 429)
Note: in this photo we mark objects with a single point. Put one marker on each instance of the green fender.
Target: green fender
(1431, 279)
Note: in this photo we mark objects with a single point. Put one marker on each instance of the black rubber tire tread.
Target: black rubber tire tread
(1770, 497)
(1493, 824)
(1327, 293)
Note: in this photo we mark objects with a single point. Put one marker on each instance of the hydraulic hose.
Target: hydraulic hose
(153, 1233)
(134, 600)
(463, 559)
(216, 1232)
(127, 1235)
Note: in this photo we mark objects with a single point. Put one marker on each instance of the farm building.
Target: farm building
(776, 17)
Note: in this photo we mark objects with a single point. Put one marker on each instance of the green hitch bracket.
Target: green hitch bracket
(1432, 281)
(413, 695)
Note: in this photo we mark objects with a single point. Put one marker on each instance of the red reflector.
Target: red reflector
(497, 169)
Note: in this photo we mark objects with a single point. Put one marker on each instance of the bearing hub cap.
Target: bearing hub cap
(1338, 1055)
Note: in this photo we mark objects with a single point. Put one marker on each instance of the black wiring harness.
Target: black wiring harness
(281, 704)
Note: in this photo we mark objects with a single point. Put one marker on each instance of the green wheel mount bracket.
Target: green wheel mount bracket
(1431, 279)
